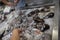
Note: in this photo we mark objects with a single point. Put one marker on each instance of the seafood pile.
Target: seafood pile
(37, 23)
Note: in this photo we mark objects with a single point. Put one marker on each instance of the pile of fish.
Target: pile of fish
(35, 23)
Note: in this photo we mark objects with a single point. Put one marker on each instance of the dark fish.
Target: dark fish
(2, 35)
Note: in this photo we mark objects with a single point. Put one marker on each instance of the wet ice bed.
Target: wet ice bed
(24, 19)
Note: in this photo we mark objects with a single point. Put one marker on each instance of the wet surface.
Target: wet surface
(24, 19)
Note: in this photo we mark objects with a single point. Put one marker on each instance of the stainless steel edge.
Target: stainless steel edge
(55, 28)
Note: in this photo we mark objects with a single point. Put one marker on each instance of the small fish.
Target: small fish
(2, 35)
